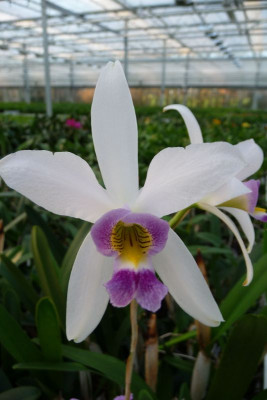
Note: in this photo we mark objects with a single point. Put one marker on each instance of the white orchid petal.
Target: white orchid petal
(60, 182)
(190, 121)
(253, 155)
(87, 297)
(245, 222)
(233, 228)
(232, 189)
(114, 130)
(180, 273)
(179, 177)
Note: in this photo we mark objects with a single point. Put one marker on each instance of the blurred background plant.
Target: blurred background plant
(37, 253)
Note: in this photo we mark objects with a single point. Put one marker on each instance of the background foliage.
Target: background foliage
(38, 250)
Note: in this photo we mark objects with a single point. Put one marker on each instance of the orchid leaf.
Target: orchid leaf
(240, 359)
(14, 339)
(51, 366)
(106, 365)
(144, 395)
(48, 330)
(241, 298)
(19, 283)
(55, 245)
(48, 271)
(70, 255)
(23, 392)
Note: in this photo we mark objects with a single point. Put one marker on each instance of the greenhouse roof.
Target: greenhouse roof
(197, 43)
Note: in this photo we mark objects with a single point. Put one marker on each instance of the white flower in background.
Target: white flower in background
(128, 241)
(236, 197)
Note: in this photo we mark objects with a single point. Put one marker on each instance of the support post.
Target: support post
(126, 49)
(48, 100)
(256, 93)
(27, 93)
(71, 80)
(186, 73)
(163, 74)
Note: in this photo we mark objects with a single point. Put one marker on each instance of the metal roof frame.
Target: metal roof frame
(230, 33)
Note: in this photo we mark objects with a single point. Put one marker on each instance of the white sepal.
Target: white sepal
(179, 272)
(87, 297)
(62, 183)
(114, 130)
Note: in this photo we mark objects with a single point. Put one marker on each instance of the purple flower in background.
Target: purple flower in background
(129, 242)
(72, 123)
(123, 397)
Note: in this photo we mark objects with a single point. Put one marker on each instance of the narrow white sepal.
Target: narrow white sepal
(245, 222)
(87, 297)
(233, 228)
(190, 121)
(180, 273)
(114, 130)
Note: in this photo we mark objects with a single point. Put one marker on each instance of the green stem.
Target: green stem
(179, 216)
(15, 221)
(130, 360)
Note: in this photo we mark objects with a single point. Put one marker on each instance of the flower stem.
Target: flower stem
(130, 360)
(179, 216)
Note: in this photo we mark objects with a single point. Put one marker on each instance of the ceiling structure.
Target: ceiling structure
(196, 43)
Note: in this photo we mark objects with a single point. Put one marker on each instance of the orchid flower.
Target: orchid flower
(128, 242)
(236, 197)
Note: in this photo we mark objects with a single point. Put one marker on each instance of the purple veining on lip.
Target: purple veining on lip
(101, 231)
(150, 291)
(158, 229)
(252, 197)
(122, 287)
(125, 285)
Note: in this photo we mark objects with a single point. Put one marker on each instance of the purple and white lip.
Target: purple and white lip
(132, 239)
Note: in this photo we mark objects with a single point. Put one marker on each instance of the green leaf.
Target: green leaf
(209, 237)
(15, 340)
(47, 269)
(51, 366)
(184, 393)
(179, 363)
(178, 339)
(144, 395)
(261, 396)
(21, 393)
(208, 250)
(70, 255)
(264, 243)
(240, 359)
(55, 245)
(19, 283)
(11, 302)
(108, 366)
(48, 330)
(241, 298)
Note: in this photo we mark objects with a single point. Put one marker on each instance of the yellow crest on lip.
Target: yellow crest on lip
(131, 241)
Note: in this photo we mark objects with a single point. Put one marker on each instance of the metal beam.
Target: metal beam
(163, 74)
(48, 99)
(126, 50)
(27, 93)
